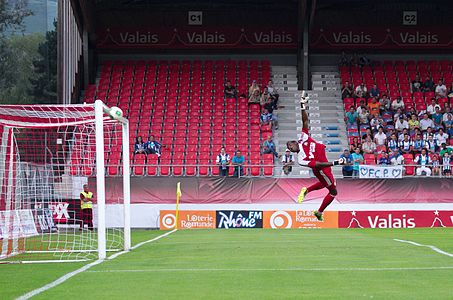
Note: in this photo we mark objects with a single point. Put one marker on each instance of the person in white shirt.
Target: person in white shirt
(397, 103)
(401, 124)
(360, 90)
(396, 159)
(432, 107)
(424, 161)
(441, 89)
(223, 160)
(441, 138)
(430, 144)
(446, 114)
(406, 145)
(287, 162)
(380, 138)
(426, 122)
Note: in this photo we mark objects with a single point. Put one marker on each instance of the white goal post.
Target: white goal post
(47, 154)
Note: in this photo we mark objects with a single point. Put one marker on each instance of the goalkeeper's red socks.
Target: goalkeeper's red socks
(327, 200)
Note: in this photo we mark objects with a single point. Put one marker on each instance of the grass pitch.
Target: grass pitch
(257, 264)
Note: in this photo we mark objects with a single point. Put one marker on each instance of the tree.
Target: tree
(44, 80)
(11, 20)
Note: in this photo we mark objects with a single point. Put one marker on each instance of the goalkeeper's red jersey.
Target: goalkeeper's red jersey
(310, 150)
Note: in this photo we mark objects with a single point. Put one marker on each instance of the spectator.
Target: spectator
(139, 147)
(446, 164)
(230, 90)
(406, 145)
(273, 92)
(344, 60)
(449, 125)
(266, 100)
(347, 167)
(374, 106)
(437, 117)
(397, 103)
(413, 122)
(416, 85)
(393, 143)
(361, 106)
(441, 138)
(435, 166)
(363, 117)
(364, 61)
(369, 147)
(411, 112)
(351, 116)
(450, 92)
(223, 160)
(430, 144)
(376, 123)
(432, 107)
(374, 92)
(355, 144)
(357, 159)
(418, 144)
(426, 122)
(396, 116)
(367, 134)
(268, 118)
(428, 86)
(427, 133)
(153, 147)
(402, 134)
(385, 103)
(401, 124)
(361, 91)
(252, 88)
(423, 161)
(347, 91)
(396, 158)
(444, 149)
(441, 89)
(255, 97)
(238, 163)
(380, 138)
(269, 146)
(384, 160)
(447, 112)
(287, 162)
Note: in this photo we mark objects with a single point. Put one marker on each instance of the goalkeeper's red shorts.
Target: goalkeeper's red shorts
(325, 176)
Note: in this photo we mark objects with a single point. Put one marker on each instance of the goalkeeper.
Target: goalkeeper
(86, 208)
(313, 155)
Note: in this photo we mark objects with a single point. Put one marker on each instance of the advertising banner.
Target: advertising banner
(299, 219)
(239, 219)
(395, 219)
(382, 38)
(197, 38)
(188, 219)
(380, 172)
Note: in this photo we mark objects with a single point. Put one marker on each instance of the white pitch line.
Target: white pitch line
(269, 270)
(428, 246)
(83, 269)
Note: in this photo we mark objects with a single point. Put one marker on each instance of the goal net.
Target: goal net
(47, 156)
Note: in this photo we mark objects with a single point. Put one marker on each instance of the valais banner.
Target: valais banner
(382, 38)
(395, 219)
(197, 37)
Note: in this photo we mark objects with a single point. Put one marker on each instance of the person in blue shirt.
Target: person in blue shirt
(384, 160)
(347, 168)
(152, 146)
(269, 146)
(238, 163)
(351, 116)
(139, 147)
(437, 117)
(357, 159)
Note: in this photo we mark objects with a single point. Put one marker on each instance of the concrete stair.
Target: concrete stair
(325, 113)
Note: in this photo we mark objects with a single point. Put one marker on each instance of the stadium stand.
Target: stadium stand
(182, 104)
(395, 79)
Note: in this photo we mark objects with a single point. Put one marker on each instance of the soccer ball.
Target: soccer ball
(115, 113)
